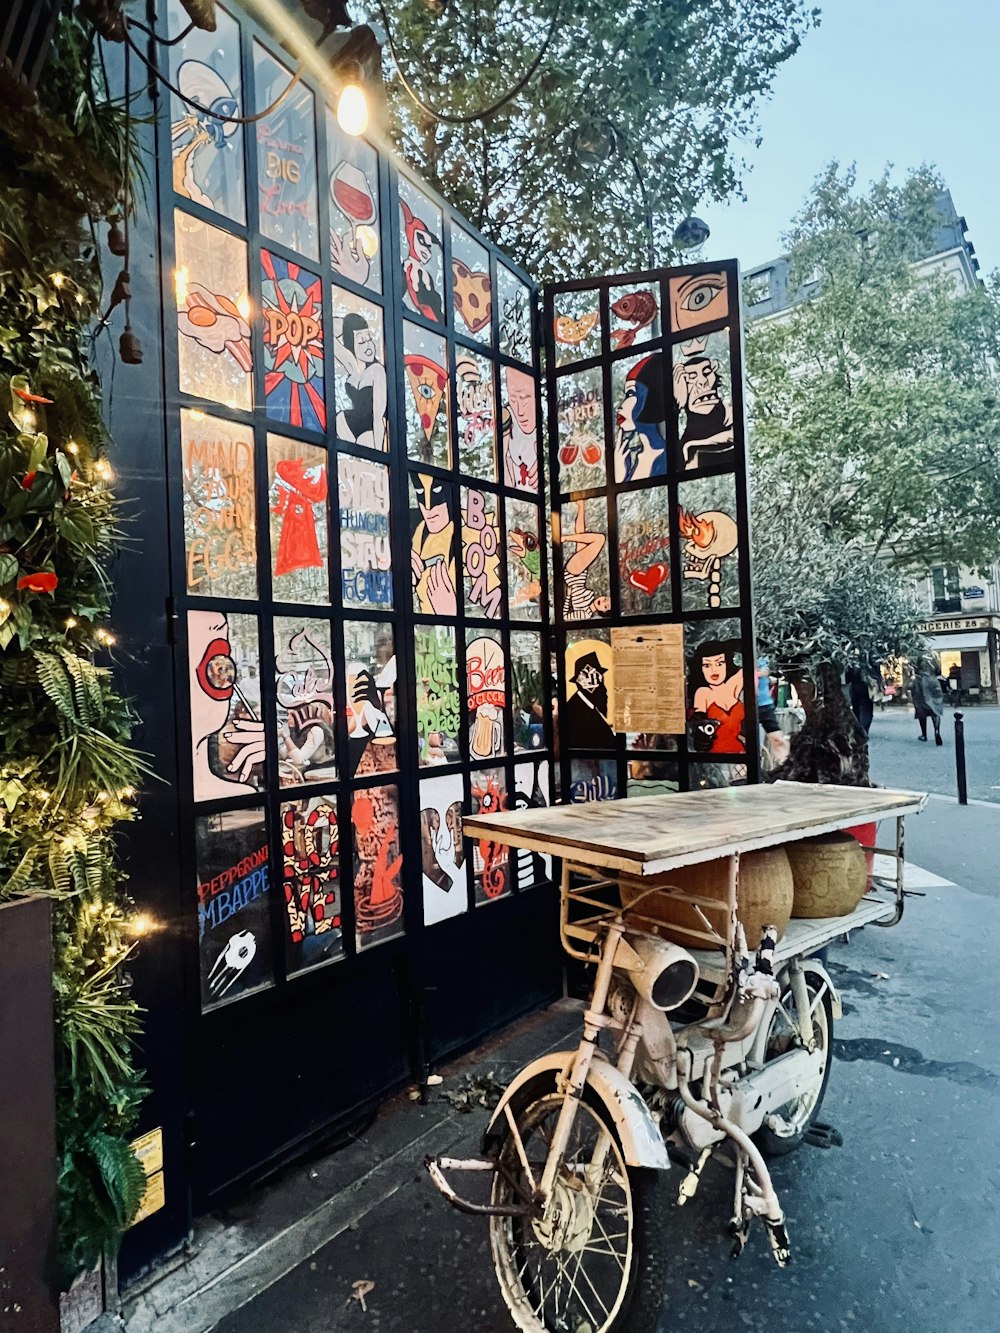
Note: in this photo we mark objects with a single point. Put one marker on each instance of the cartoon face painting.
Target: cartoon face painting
(520, 443)
(716, 712)
(698, 298)
(227, 736)
(707, 434)
(640, 449)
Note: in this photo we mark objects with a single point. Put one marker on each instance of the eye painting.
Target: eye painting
(698, 299)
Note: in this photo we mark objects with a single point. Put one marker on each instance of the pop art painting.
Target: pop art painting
(471, 289)
(286, 157)
(427, 402)
(519, 429)
(490, 860)
(481, 553)
(310, 855)
(305, 706)
(476, 416)
(421, 256)
(485, 694)
(360, 383)
(703, 402)
(365, 553)
(524, 560)
(228, 744)
(716, 687)
(442, 848)
(300, 538)
(585, 571)
(234, 906)
(432, 546)
(644, 553)
(580, 410)
(293, 343)
(378, 866)
(514, 301)
(354, 213)
(706, 520)
(439, 702)
(370, 666)
(639, 391)
(214, 355)
(220, 523)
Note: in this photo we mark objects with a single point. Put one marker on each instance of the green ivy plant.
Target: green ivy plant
(68, 775)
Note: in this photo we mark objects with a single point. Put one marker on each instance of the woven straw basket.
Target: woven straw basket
(830, 874)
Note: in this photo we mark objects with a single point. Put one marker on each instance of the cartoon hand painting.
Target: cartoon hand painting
(216, 322)
(215, 723)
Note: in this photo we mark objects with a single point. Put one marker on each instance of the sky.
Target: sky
(901, 81)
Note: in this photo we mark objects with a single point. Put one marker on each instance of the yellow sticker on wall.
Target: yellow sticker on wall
(153, 1199)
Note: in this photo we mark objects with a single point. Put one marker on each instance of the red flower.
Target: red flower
(42, 581)
(27, 479)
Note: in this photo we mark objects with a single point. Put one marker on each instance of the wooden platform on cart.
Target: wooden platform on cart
(648, 835)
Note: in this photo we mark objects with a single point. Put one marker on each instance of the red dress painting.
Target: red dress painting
(298, 489)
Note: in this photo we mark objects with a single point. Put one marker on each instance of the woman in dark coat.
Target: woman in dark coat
(928, 701)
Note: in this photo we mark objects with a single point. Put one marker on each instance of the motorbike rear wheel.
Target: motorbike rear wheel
(597, 1260)
(786, 1127)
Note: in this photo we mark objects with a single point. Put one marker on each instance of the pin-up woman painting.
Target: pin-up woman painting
(716, 684)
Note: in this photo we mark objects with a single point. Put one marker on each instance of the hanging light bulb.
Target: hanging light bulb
(352, 108)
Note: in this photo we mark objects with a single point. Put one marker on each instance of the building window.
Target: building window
(946, 593)
(758, 287)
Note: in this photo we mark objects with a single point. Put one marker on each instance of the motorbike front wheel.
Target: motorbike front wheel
(597, 1259)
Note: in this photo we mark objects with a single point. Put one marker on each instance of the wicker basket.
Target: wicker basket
(764, 897)
(830, 875)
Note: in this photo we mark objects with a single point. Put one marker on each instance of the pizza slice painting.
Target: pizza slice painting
(428, 382)
(472, 295)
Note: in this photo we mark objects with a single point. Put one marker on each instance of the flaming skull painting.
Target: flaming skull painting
(711, 537)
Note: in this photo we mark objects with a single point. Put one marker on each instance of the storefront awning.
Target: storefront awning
(957, 643)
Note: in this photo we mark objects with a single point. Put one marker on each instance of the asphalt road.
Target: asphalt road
(900, 759)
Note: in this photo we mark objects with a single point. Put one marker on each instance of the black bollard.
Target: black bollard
(963, 790)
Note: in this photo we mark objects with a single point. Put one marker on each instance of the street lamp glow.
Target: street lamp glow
(352, 109)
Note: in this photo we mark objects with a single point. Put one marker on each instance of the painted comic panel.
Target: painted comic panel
(214, 357)
(697, 299)
(527, 690)
(206, 152)
(580, 410)
(481, 553)
(443, 849)
(227, 734)
(644, 552)
(485, 694)
(378, 866)
(706, 519)
(310, 854)
(524, 560)
(635, 315)
(703, 402)
(471, 289)
(476, 409)
(432, 546)
(639, 391)
(426, 396)
(355, 216)
(300, 526)
(306, 709)
(294, 375)
(370, 666)
(514, 306)
(532, 791)
(420, 253)
(652, 777)
(716, 686)
(220, 524)
(576, 325)
(439, 700)
(234, 912)
(360, 379)
(365, 554)
(286, 158)
(519, 428)
(585, 717)
(585, 570)
(593, 780)
(490, 860)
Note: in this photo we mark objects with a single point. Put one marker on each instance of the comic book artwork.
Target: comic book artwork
(639, 390)
(443, 849)
(524, 560)
(471, 289)
(426, 398)
(365, 554)
(439, 702)
(293, 343)
(303, 682)
(490, 860)
(697, 299)
(644, 553)
(527, 690)
(481, 553)
(220, 524)
(580, 409)
(586, 580)
(286, 158)
(234, 912)
(485, 695)
(593, 780)
(589, 677)
(355, 224)
(635, 315)
(519, 429)
(474, 405)
(227, 735)
(214, 355)
(715, 687)
(703, 401)
(514, 302)
(709, 543)
(576, 325)
(378, 866)
(531, 792)
(421, 256)
(360, 381)
(300, 538)
(432, 546)
(310, 853)
(370, 664)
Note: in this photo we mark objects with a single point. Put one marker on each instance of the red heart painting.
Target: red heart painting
(649, 579)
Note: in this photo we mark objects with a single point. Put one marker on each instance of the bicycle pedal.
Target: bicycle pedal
(689, 1185)
(823, 1136)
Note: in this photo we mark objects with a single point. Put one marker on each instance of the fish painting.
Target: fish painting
(636, 308)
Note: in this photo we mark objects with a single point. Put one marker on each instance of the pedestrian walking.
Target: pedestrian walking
(863, 688)
(778, 743)
(928, 701)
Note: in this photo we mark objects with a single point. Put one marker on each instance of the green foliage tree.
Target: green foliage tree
(625, 100)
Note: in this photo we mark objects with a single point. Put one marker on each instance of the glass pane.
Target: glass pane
(214, 359)
(527, 690)
(477, 426)
(652, 777)
(227, 734)
(310, 847)
(644, 552)
(428, 410)
(576, 325)
(704, 402)
(300, 538)
(524, 560)
(486, 694)
(432, 546)
(359, 352)
(715, 682)
(220, 523)
(439, 703)
(286, 158)
(639, 392)
(442, 848)
(703, 776)
(706, 518)
(519, 428)
(303, 682)
(370, 663)
(515, 316)
(293, 343)
(207, 152)
(580, 407)
(635, 315)
(585, 719)
(365, 555)
(420, 253)
(586, 580)
(531, 792)
(234, 913)
(481, 553)
(378, 865)
(471, 289)
(490, 860)
(593, 780)
(355, 218)
(698, 299)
